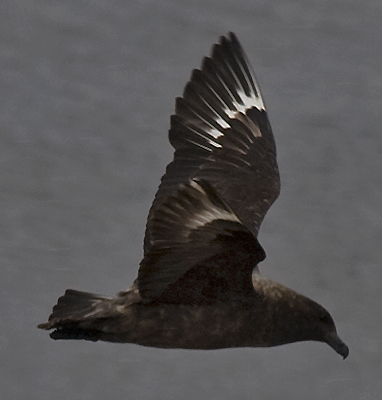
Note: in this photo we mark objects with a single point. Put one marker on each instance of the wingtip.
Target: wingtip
(232, 36)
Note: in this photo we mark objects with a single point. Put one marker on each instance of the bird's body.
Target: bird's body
(198, 285)
(257, 320)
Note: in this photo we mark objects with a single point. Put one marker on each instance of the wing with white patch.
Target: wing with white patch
(221, 134)
(202, 251)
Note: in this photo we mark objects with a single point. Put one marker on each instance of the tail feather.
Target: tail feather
(77, 315)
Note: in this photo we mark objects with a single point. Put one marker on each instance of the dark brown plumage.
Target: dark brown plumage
(198, 285)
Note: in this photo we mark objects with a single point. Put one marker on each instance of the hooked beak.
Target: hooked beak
(338, 345)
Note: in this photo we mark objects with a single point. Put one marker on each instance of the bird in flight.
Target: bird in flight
(198, 285)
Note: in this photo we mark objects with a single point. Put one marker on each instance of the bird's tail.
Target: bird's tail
(79, 315)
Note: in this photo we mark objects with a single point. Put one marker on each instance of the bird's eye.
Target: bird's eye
(325, 319)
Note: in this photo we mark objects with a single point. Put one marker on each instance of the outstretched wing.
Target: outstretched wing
(202, 252)
(221, 135)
